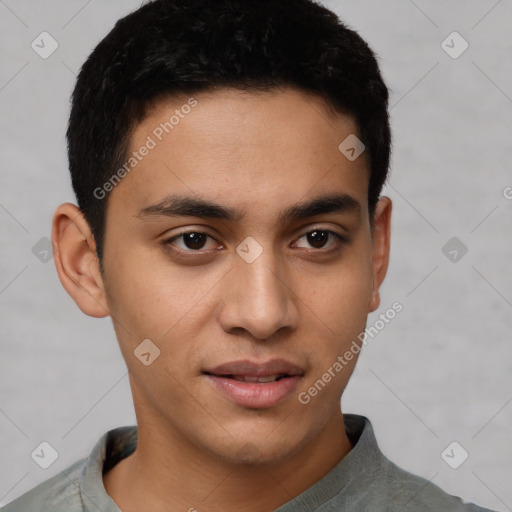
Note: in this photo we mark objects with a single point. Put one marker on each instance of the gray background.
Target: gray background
(441, 371)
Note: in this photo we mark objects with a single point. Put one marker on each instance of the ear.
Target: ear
(74, 252)
(381, 244)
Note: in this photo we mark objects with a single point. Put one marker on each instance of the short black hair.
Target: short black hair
(171, 47)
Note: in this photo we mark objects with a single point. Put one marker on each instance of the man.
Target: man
(228, 159)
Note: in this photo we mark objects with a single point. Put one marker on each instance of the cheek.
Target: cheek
(142, 293)
(345, 295)
(168, 305)
(336, 346)
(340, 304)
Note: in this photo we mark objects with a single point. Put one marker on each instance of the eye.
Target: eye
(197, 241)
(318, 238)
(191, 241)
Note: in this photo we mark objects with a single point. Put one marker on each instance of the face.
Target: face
(240, 245)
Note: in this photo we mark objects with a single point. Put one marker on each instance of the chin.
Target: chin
(257, 449)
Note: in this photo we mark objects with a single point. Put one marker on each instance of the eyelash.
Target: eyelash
(168, 242)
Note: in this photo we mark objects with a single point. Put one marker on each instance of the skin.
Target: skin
(257, 153)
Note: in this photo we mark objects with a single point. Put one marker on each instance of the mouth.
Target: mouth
(275, 368)
(255, 385)
(253, 379)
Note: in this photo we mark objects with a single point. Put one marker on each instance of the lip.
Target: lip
(255, 395)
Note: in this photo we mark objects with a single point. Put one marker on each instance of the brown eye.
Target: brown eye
(191, 241)
(194, 240)
(319, 238)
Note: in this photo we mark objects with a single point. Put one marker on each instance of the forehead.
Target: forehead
(237, 118)
(238, 147)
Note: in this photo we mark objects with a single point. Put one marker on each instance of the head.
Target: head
(219, 214)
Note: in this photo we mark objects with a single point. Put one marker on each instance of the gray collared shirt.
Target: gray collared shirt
(363, 481)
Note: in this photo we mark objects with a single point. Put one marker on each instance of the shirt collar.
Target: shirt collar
(120, 442)
(111, 448)
(365, 454)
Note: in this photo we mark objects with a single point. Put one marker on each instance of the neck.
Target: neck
(165, 473)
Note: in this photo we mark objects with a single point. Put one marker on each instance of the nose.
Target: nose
(258, 298)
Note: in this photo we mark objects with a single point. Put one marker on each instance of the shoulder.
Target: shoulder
(411, 493)
(79, 488)
(370, 481)
(59, 493)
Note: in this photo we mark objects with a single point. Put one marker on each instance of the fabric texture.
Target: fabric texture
(363, 481)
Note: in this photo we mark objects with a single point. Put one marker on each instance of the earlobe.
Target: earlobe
(76, 261)
(374, 301)
(381, 247)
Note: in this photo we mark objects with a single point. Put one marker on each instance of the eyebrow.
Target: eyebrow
(187, 206)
